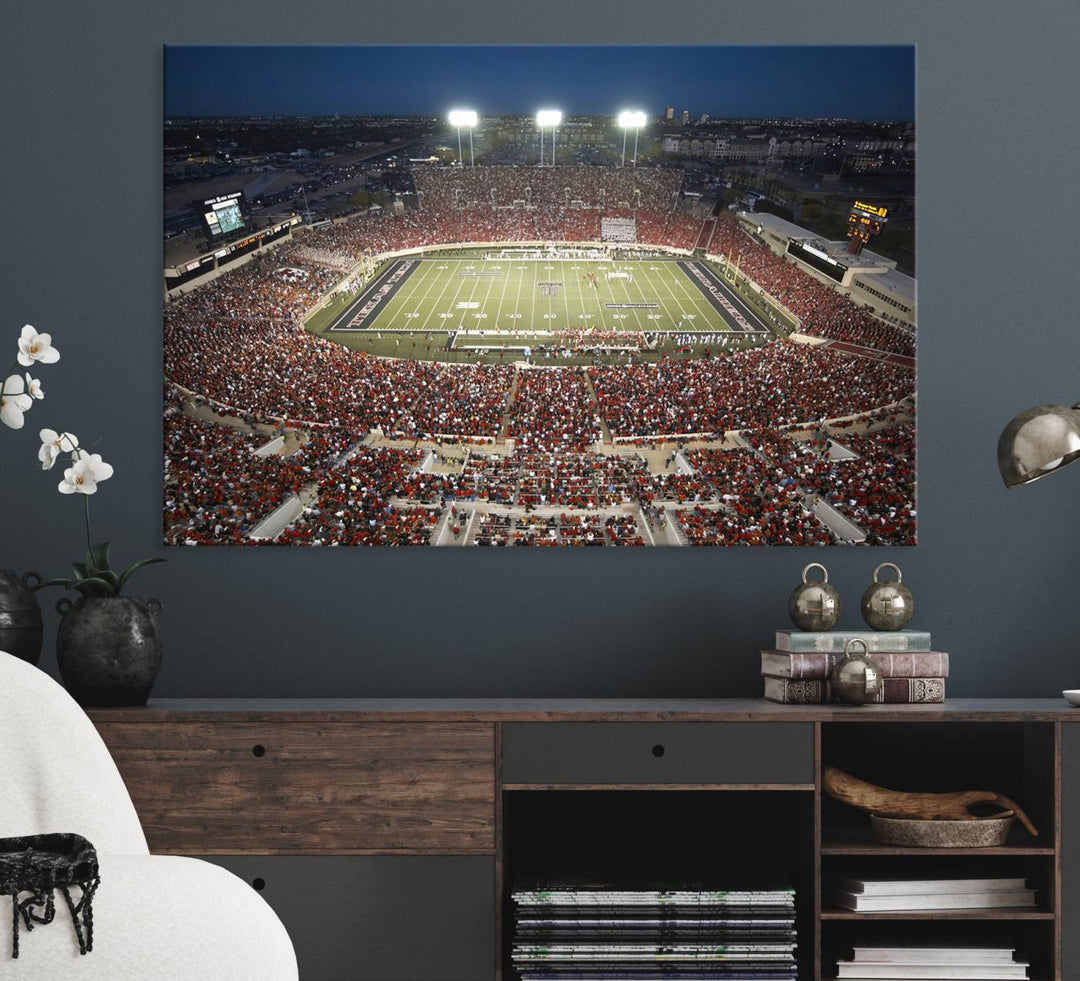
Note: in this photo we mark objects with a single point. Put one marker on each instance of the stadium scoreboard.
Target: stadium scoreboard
(817, 258)
(864, 222)
(223, 214)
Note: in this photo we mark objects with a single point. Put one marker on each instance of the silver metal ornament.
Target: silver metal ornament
(814, 605)
(887, 605)
(856, 680)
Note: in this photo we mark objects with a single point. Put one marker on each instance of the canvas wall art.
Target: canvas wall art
(539, 296)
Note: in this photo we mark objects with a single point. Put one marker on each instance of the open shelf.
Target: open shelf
(712, 836)
(860, 841)
(1002, 913)
(1016, 759)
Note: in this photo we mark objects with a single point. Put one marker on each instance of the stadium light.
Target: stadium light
(631, 119)
(552, 118)
(459, 118)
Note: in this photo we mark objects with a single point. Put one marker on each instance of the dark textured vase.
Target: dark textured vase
(108, 649)
(20, 616)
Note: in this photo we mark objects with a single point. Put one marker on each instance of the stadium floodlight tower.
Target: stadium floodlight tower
(634, 120)
(459, 118)
(552, 118)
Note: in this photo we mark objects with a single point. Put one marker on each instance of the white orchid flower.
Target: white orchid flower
(36, 347)
(14, 401)
(33, 387)
(85, 474)
(53, 444)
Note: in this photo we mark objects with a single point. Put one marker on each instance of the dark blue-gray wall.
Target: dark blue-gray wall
(996, 576)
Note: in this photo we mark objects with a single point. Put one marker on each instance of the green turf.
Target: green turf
(434, 295)
(446, 294)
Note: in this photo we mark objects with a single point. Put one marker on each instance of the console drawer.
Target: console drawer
(381, 917)
(694, 753)
(235, 787)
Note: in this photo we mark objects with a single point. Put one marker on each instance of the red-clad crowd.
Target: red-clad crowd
(553, 409)
(823, 311)
(217, 490)
(776, 385)
(237, 344)
(352, 507)
(757, 508)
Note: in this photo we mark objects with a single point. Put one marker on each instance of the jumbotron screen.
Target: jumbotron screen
(223, 214)
(821, 261)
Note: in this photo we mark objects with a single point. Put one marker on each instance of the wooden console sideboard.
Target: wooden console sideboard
(387, 833)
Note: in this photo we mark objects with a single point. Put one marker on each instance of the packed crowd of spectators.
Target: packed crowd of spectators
(758, 509)
(776, 385)
(237, 344)
(448, 189)
(352, 506)
(591, 529)
(217, 490)
(823, 311)
(875, 489)
(553, 409)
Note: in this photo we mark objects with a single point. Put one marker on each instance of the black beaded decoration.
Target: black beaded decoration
(40, 864)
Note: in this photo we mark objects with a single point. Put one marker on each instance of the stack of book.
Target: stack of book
(797, 669)
(898, 893)
(580, 931)
(938, 963)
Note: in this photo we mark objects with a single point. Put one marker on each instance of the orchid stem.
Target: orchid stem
(86, 501)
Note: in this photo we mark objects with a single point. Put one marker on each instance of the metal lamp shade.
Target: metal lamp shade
(1038, 442)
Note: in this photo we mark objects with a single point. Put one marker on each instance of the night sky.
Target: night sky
(860, 82)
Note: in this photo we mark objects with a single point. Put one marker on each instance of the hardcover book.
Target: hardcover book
(816, 664)
(894, 691)
(833, 641)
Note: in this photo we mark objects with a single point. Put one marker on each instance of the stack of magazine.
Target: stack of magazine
(602, 931)
(938, 963)
(876, 895)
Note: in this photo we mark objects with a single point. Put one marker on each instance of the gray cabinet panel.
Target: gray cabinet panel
(658, 752)
(1070, 851)
(381, 918)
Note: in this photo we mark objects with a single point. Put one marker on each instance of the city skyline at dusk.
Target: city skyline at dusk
(862, 83)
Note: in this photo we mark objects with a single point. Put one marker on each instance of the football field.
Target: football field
(538, 297)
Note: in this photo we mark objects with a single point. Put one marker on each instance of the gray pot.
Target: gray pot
(20, 616)
(108, 649)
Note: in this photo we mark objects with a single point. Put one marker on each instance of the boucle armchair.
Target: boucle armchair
(156, 918)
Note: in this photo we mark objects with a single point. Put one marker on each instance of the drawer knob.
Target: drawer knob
(258, 750)
(258, 883)
(658, 751)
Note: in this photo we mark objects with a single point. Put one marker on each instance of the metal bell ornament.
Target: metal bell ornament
(855, 679)
(814, 605)
(887, 605)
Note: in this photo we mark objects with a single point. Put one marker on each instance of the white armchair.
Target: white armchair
(156, 918)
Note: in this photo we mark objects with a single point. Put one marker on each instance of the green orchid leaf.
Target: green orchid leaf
(133, 569)
(110, 577)
(94, 587)
(66, 583)
(97, 558)
(80, 570)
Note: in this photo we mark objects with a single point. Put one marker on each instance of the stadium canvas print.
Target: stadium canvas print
(545, 296)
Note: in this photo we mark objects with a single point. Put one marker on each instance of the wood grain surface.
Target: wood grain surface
(310, 788)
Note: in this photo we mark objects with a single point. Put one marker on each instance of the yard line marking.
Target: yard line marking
(535, 288)
(487, 297)
(502, 297)
(672, 297)
(517, 299)
(426, 299)
(707, 313)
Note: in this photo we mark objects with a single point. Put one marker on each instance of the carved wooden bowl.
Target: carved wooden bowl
(922, 833)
